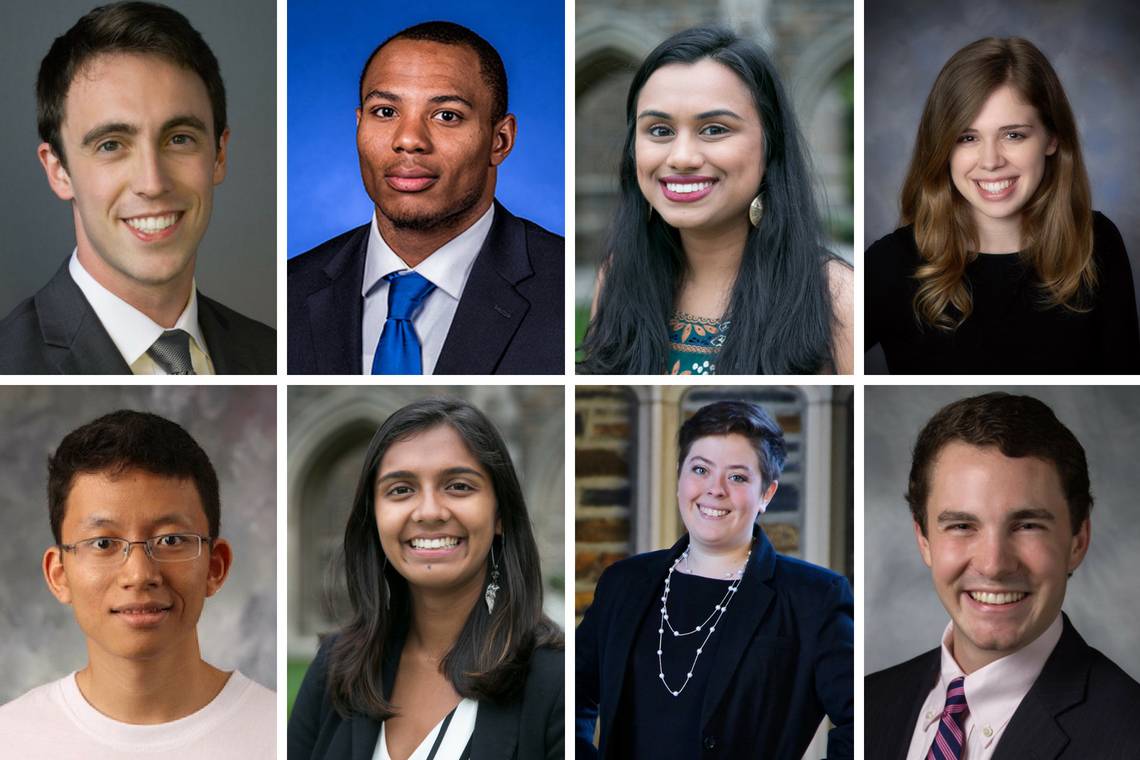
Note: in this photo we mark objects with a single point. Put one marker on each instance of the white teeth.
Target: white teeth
(708, 511)
(152, 224)
(995, 187)
(987, 597)
(687, 187)
(434, 543)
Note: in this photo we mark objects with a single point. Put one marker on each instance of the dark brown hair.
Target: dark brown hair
(1056, 223)
(742, 418)
(128, 27)
(128, 440)
(491, 657)
(1017, 426)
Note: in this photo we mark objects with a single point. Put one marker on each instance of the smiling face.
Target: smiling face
(142, 162)
(428, 150)
(999, 161)
(720, 491)
(435, 510)
(999, 547)
(140, 609)
(699, 146)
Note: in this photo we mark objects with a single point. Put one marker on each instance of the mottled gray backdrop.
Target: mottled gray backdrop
(902, 614)
(237, 257)
(1095, 49)
(237, 427)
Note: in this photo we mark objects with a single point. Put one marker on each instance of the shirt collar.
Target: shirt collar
(994, 692)
(132, 332)
(447, 267)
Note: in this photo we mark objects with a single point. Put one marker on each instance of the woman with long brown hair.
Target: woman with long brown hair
(1002, 265)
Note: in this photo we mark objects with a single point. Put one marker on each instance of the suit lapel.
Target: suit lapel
(74, 338)
(335, 311)
(496, 731)
(897, 719)
(365, 734)
(490, 309)
(1033, 732)
(227, 355)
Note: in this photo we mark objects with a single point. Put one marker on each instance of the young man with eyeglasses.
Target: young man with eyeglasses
(135, 512)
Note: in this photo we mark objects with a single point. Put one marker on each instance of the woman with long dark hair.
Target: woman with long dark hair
(447, 654)
(718, 646)
(715, 262)
(1002, 266)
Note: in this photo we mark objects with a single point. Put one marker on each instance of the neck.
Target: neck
(413, 246)
(162, 302)
(149, 691)
(716, 562)
(998, 235)
(438, 615)
(712, 262)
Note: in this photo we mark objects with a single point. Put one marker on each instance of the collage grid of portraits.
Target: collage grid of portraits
(282, 438)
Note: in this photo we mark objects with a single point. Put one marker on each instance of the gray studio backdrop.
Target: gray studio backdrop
(902, 614)
(236, 259)
(1095, 50)
(236, 426)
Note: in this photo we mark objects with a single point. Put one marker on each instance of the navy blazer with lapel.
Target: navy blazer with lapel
(509, 319)
(1082, 706)
(529, 727)
(56, 332)
(786, 659)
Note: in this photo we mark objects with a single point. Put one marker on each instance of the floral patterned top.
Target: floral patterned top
(694, 343)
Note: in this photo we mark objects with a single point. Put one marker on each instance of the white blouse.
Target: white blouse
(456, 727)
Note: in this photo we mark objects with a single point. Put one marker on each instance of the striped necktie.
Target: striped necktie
(951, 738)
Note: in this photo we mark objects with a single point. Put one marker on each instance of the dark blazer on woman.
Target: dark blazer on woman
(529, 726)
(786, 659)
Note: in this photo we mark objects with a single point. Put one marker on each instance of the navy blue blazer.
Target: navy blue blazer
(778, 670)
(509, 320)
(56, 332)
(528, 727)
(1082, 706)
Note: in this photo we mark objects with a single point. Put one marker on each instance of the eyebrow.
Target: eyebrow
(123, 128)
(1030, 513)
(449, 98)
(1002, 128)
(409, 475)
(727, 466)
(102, 521)
(699, 117)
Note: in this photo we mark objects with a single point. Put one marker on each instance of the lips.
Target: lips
(154, 226)
(995, 189)
(686, 188)
(142, 614)
(434, 545)
(410, 179)
(997, 599)
(711, 513)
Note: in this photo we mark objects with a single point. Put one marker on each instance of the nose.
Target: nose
(431, 508)
(151, 178)
(995, 557)
(685, 153)
(991, 157)
(139, 569)
(716, 487)
(411, 136)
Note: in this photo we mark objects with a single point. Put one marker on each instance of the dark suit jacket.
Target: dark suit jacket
(509, 319)
(56, 332)
(1081, 707)
(786, 658)
(529, 727)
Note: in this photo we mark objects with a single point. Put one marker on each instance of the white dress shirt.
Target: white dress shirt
(134, 332)
(448, 268)
(992, 694)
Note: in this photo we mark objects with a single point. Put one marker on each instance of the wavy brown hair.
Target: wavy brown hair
(1056, 223)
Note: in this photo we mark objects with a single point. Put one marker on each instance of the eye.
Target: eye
(449, 117)
(699, 469)
(714, 130)
(384, 112)
(1015, 136)
(182, 139)
(659, 130)
(461, 487)
(170, 541)
(1029, 526)
(108, 146)
(101, 546)
(958, 527)
(398, 490)
(736, 477)
(963, 139)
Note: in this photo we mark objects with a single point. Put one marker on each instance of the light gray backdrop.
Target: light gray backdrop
(238, 254)
(1095, 49)
(237, 428)
(902, 614)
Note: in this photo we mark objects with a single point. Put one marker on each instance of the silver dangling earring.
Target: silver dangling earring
(493, 586)
(756, 211)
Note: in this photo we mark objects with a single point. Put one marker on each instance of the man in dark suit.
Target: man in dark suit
(1000, 498)
(444, 280)
(131, 110)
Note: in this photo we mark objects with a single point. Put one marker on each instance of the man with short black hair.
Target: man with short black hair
(1000, 500)
(135, 512)
(132, 114)
(444, 280)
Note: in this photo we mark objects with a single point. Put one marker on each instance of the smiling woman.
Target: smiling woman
(448, 646)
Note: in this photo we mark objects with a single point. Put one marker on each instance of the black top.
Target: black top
(1009, 330)
(651, 722)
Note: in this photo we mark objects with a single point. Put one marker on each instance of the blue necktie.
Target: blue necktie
(398, 352)
(951, 735)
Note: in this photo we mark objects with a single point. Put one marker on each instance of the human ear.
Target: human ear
(1079, 545)
(221, 559)
(503, 139)
(55, 575)
(57, 176)
(766, 497)
(1051, 148)
(923, 545)
(220, 159)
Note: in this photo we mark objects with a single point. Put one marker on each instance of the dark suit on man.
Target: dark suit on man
(786, 658)
(509, 319)
(56, 332)
(1081, 707)
(531, 726)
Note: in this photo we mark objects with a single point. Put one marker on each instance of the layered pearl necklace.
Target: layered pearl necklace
(707, 626)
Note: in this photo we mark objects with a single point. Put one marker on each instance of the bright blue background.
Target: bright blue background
(328, 44)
